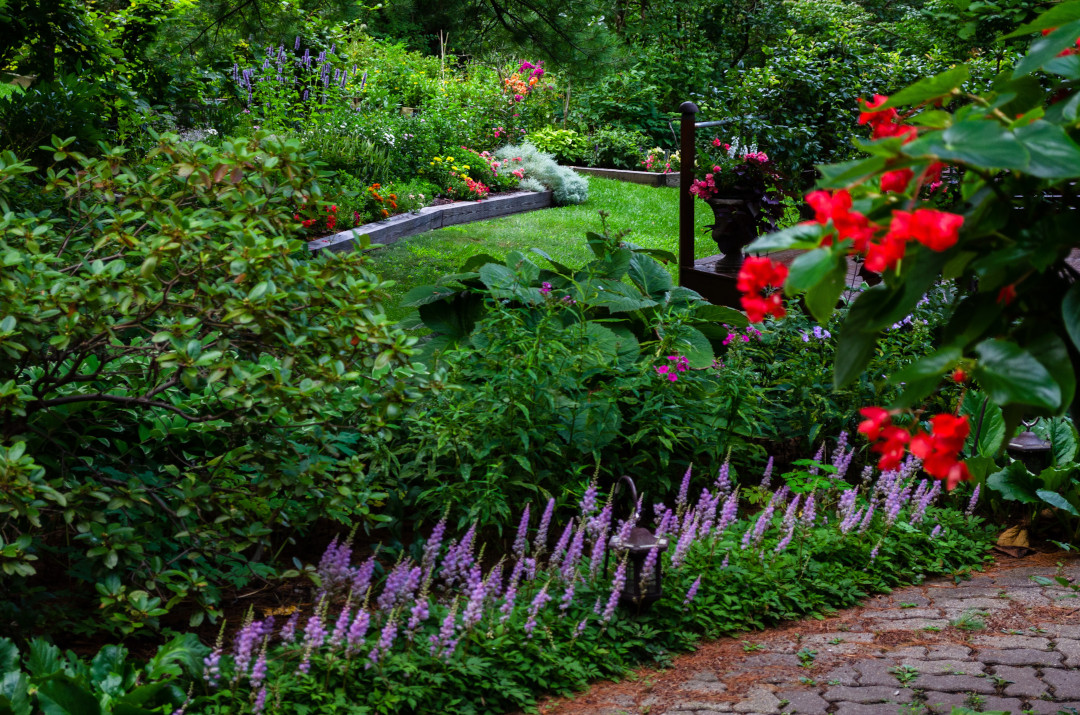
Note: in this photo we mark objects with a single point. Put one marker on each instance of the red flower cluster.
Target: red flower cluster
(939, 449)
(937, 230)
(884, 122)
(755, 276)
(331, 217)
(1068, 50)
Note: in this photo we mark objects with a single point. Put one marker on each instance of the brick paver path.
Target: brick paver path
(996, 642)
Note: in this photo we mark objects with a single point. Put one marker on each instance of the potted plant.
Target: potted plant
(741, 185)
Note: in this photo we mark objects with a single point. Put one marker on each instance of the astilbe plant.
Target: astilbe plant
(448, 615)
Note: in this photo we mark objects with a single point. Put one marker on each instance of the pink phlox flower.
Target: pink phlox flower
(545, 288)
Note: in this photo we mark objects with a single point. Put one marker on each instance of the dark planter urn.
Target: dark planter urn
(737, 216)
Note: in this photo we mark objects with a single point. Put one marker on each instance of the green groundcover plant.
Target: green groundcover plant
(446, 630)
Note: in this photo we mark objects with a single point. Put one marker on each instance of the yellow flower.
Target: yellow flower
(466, 167)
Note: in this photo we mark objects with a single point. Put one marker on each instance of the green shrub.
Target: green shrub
(617, 148)
(566, 145)
(566, 185)
(179, 392)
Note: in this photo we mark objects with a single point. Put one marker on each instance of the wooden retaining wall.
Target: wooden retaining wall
(635, 177)
(430, 218)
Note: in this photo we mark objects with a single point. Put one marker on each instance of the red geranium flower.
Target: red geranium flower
(896, 181)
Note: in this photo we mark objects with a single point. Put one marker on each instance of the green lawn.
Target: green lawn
(650, 213)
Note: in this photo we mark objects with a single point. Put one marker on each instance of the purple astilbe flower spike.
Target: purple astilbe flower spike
(354, 639)
(691, 593)
(563, 543)
(588, 501)
(784, 542)
(393, 587)
(684, 491)
(341, 628)
(361, 579)
(867, 518)
(259, 670)
(314, 636)
(729, 513)
(510, 596)
(792, 512)
(724, 563)
(333, 569)
(766, 478)
(602, 525)
(874, 552)
(522, 534)
(936, 530)
(212, 667)
(654, 554)
(974, 501)
(707, 510)
(618, 582)
(755, 535)
(850, 521)
(457, 567)
(288, 631)
(581, 627)
(814, 468)
(260, 700)
(538, 602)
(386, 641)
(431, 550)
(419, 613)
(847, 503)
(723, 479)
(686, 537)
(477, 592)
(809, 512)
(540, 540)
(444, 641)
(493, 584)
(567, 597)
(568, 569)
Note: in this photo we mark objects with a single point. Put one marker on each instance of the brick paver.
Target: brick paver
(899, 654)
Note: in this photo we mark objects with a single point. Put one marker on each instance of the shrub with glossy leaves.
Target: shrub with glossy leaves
(178, 389)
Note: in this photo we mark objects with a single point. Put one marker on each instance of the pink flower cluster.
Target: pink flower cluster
(679, 364)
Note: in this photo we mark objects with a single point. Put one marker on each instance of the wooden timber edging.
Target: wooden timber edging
(429, 218)
(636, 177)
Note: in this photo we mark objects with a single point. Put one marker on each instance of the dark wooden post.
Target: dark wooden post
(687, 158)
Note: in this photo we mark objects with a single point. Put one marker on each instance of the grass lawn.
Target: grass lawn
(650, 213)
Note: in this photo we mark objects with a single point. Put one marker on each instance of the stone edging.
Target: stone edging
(430, 218)
(636, 177)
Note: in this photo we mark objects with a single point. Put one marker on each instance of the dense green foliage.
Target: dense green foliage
(178, 391)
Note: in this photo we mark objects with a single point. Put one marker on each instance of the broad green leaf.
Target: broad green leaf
(1056, 500)
(1056, 16)
(987, 424)
(838, 176)
(982, 143)
(930, 87)
(720, 314)
(691, 344)
(1011, 375)
(9, 653)
(61, 695)
(933, 365)
(801, 235)
(1070, 312)
(1050, 350)
(854, 348)
(649, 276)
(422, 295)
(1063, 440)
(1014, 483)
(1067, 67)
(14, 689)
(559, 268)
(503, 282)
(657, 253)
(613, 265)
(1053, 155)
(809, 268)
(474, 262)
(598, 337)
(455, 317)
(619, 297)
(822, 298)
(1047, 48)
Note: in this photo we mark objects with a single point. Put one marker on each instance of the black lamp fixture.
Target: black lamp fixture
(643, 582)
(1030, 449)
